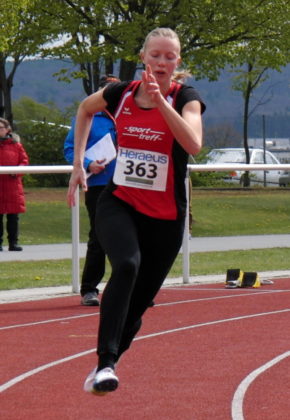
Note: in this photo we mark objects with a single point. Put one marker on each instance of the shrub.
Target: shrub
(205, 179)
(43, 143)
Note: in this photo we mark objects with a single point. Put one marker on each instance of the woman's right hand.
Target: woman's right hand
(151, 86)
(78, 177)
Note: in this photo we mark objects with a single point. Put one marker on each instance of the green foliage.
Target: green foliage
(205, 179)
(43, 143)
(209, 40)
(27, 109)
(97, 34)
(10, 15)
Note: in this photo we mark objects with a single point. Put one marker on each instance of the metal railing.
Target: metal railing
(75, 210)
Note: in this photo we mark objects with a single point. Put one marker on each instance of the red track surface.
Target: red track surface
(203, 353)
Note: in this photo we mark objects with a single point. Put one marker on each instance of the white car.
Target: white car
(238, 155)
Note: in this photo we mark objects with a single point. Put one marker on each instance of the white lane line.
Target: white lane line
(215, 298)
(47, 321)
(32, 372)
(237, 403)
(29, 324)
(216, 289)
(25, 375)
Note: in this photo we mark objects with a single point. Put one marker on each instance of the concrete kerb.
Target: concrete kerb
(23, 295)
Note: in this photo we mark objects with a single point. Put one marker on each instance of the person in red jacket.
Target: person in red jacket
(12, 201)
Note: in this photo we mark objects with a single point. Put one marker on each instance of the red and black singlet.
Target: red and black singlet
(150, 165)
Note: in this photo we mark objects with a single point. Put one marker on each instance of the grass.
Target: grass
(19, 275)
(230, 213)
(48, 218)
(216, 213)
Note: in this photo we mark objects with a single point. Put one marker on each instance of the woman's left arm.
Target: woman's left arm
(23, 157)
(187, 127)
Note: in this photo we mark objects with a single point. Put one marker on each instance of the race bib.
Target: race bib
(141, 169)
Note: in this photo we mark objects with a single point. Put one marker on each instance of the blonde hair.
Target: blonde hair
(178, 76)
(163, 32)
(181, 76)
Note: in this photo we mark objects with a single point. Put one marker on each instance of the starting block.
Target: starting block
(238, 278)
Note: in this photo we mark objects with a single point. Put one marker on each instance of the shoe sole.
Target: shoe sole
(105, 386)
(98, 393)
(90, 303)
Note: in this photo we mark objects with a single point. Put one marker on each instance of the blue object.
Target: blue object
(101, 125)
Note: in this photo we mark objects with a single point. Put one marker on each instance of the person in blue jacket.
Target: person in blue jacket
(98, 177)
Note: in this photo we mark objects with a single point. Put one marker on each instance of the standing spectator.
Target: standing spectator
(12, 201)
(99, 176)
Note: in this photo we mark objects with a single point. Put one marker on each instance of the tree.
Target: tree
(9, 13)
(9, 19)
(100, 33)
(257, 58)
(247, 82)
(222, 135)
(26, 109)
(43, 143)
(21, 35)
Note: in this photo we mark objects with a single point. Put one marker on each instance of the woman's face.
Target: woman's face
(3, 130)
(163, 55)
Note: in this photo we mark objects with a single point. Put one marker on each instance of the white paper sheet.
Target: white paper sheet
(104, 150)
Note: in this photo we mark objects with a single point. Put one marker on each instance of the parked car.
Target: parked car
(238, 155)
(284, 179)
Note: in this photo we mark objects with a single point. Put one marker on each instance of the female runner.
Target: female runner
(140, 214)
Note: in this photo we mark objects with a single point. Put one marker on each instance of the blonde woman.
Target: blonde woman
(140, 214)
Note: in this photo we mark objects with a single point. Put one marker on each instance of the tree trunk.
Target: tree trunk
(246, 177)
(1, 103)
(109, 67)
(127, 70)
(6, 85)
(87, 81)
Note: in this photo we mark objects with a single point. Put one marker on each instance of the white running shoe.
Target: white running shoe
(90, 299)
(102, 382)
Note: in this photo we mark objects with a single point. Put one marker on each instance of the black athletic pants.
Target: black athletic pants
(11, 227)
(94, 268)
(141, 251)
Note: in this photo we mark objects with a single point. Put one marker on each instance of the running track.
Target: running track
(204, 352)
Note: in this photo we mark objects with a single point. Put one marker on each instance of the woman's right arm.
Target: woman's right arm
(88, 107)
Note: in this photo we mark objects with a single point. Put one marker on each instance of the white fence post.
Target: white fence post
(76, 243)
(185, 243)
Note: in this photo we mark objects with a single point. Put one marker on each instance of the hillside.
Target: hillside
(224, 106)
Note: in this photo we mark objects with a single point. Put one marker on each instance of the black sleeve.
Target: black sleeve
(112, 94)
(187, 94)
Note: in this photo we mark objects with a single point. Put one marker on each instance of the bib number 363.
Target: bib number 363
(141, 169)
